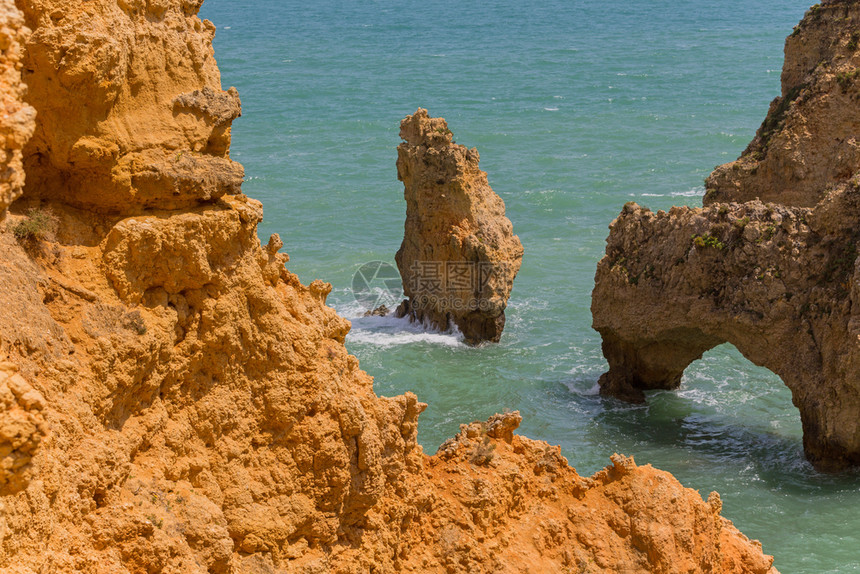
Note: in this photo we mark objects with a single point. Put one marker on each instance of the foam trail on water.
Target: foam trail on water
(696, 191)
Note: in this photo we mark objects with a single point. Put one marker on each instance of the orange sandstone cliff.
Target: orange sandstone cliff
(173, 399)
(17, 120)
(770, 264)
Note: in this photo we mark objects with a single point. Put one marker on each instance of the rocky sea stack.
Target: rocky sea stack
(459, 254)
(770, 264)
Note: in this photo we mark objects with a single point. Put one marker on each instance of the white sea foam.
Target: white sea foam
(551, 109)
(705, 397)
(386, 340)
(576, 388)
(695, 192)
(391, 331)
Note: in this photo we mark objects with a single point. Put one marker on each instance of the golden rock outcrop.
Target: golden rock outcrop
(155, 130)
(180, 402)
(459, 254)
(780, 281)
(518, 504)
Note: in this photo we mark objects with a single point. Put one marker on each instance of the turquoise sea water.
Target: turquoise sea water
(576, 107)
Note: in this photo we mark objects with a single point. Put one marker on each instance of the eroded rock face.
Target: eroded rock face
(17, 120)
(459, 255)
(151, 127)
(212, 421)
(22, 428)
(777, 280)
(517, 497)
(201, 410)
(808, 141)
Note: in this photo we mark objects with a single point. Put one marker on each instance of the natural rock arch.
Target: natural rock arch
(778, 283)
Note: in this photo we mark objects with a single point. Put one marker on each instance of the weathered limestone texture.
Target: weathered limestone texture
(151, 126)
(780, 281)
(459, 254)
(22, 428)
(17, 120)
(173, 399)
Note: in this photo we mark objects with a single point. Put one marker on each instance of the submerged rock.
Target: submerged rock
(459, 255)
(380, 311)
(780, 281)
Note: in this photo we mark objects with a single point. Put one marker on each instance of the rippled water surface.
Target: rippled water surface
(575, 108)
